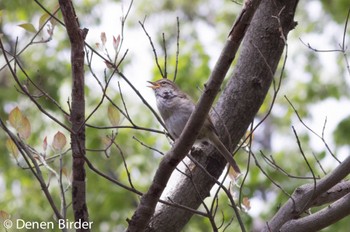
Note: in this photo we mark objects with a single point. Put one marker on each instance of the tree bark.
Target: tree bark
(321, 219)
(77, 114)
(308, 195)
(183, 144)
(241, 99)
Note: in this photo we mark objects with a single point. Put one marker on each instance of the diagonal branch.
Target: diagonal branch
(322, 218)
(237, 106)
(304, 196)
(182, 146)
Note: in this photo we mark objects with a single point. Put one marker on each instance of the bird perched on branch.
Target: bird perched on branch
(176, 107)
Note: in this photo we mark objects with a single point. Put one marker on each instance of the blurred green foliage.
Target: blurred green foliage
(109, 205)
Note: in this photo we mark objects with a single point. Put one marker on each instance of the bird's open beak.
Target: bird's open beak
(153, 85)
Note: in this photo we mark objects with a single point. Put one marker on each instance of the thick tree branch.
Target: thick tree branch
(305, 196)
(321, 219)
(77, 116)
(181, 147)
(237, 106)
(336, 192)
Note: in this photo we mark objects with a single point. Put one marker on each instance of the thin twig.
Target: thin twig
(153, 48)
(177, 48)
(270, 178)
(312, 131)
(123, 101)
(124, 162)
(25, 90)
(272, 163)
(308, 164)
(62, 192)
(165, 57)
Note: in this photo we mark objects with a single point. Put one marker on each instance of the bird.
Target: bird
(176, 107)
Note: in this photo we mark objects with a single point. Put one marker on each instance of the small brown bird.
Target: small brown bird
(176, 107)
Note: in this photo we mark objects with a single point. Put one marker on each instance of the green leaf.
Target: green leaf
(341, 134)
(28, 27)
(1, 14)
(43, 19)
(113, 115)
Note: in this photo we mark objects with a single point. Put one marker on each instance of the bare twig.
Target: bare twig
(26, 91)
(342, 46)
(153, 48)
(165, 57)
(312, 131)
(273, 163)
(306, 161)
(125, 164)
(177, 48)
(31, 42)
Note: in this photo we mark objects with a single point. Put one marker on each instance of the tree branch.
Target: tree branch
(321, 219)
(181, 147)
(237, 106)
(304, 196)
(336, 192)
(77, 116)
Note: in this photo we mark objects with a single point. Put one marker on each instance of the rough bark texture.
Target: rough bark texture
(321, 219)
(237, 106)
(288, 216)
(77, 116)
(183, 144)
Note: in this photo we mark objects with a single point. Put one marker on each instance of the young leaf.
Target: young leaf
(45, 143)
(246, 203)
(106, 142)
(25, 130)
(116, 42)
(20, 123)
(108, 64)
(11, 146)
(15, 118)
(59, 141)
(4, 215)
(43, 19)
(1, 14)
(65, 172)
(28, 27)
(113, 115)
(103, 38)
